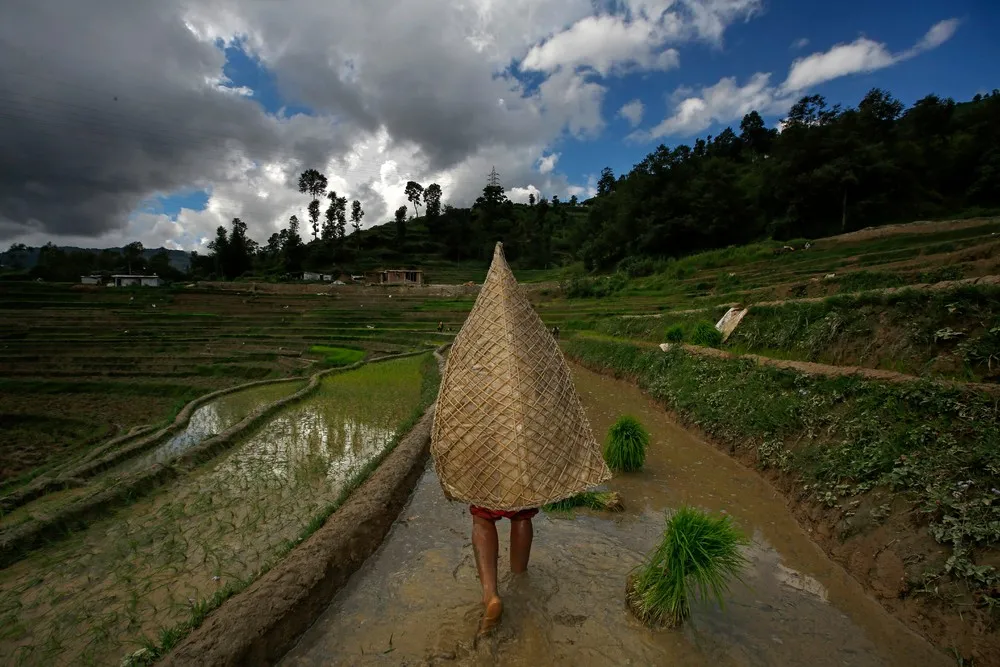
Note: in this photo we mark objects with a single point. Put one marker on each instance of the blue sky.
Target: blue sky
(959, 68)
(237, 98)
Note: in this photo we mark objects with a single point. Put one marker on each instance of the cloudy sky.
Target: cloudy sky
(159, 120)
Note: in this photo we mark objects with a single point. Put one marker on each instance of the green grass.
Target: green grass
(912, 331)
(845, 440)
(698, 556)
(338, 356)
(706, 334)
(605, 501)
(625, 445)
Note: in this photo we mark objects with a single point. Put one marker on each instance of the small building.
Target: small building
(356, 279)
(327, 277)
(133, 280)
(311, 275)
(397, 277)
(91, 280)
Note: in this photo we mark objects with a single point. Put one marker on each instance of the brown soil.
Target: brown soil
(919, 227)
(838, 371)
(260, 624)
(886, 558)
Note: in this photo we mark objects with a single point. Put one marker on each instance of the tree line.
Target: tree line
(828, 170)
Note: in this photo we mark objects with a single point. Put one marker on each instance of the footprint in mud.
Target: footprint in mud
(569, 620)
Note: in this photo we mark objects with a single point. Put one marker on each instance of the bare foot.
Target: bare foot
(491, 615)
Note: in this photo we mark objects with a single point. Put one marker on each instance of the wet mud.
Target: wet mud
(416, 601)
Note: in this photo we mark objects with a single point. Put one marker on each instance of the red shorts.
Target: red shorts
(496, 515)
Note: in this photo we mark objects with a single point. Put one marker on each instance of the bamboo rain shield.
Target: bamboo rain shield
(509, 430)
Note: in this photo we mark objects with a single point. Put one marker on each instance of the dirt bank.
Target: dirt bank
(827, 370)
(259, 625)
(919, 227)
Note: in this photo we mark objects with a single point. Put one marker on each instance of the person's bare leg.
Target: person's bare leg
(521, 532)
(486, 547)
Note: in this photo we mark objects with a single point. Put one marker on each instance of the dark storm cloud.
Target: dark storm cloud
(105, 102)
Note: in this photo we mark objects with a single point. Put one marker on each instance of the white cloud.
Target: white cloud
(632, 112)
(719, 103)
(431, 99)
(606, 44)
(800, 43)
(861, 55)
(548, 163)
(727, 101)
(521, 195)
(939, 33)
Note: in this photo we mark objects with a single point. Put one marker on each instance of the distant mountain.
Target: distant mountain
(179, 259)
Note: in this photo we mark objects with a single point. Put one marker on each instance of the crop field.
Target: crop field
(92, 379)
(125, 582)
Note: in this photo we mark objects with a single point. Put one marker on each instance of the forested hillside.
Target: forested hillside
(828, 170)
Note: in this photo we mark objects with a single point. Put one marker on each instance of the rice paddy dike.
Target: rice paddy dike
(894, 479)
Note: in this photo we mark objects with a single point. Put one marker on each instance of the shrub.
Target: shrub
(625, 446)
(675, 334)
(698, 555)
(706, 334)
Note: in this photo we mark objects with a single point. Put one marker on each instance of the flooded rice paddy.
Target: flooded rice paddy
(205, 422)
(417, 600)
(95, 596)
(212, 419)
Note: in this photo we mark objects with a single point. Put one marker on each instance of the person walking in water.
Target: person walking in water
(509, 434)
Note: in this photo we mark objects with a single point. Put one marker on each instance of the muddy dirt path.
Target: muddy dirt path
(812, 368)
(416, 600)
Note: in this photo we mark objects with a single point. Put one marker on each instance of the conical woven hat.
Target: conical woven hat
(509, 430)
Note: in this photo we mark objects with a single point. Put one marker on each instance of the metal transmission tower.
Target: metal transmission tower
(494, 178)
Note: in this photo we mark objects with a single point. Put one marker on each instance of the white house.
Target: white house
(310, 275)
(130, 280)
(90, 280)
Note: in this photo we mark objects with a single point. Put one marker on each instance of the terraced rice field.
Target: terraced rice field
(126, 582)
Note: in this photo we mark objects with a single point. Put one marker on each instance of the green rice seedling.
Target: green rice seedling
(706, 334)
(607, 501)
(625, 446)
(675, 334)
(338, 356)
(698, 555)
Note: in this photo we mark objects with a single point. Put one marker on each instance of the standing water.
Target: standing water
(97, 595)
(212, 419)
(417, 600)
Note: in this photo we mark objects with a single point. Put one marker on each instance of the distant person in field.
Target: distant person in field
(508, 439)
(440, 327)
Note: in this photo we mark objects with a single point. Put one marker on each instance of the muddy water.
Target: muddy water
(90, 599)
(416, 600)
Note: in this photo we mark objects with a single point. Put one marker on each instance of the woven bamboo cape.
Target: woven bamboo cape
(509, 430)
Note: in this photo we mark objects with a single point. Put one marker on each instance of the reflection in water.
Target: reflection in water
(416, 601)
(307, 440)
(212, 419)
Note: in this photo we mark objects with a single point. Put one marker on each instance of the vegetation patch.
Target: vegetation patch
(625, 445)
(697, 557)
(604, 501)
(843, 438)
(947, 333)
(338, 356)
